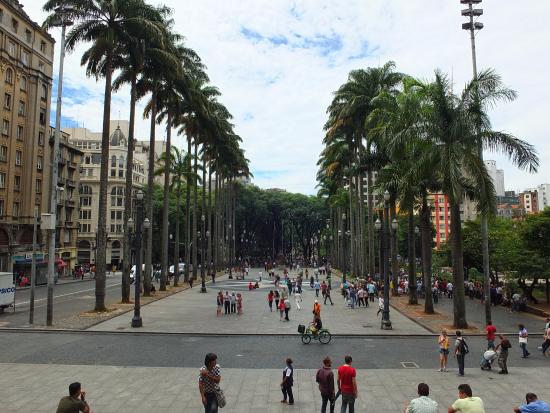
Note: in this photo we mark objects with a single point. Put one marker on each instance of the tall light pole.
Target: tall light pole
(203, 253)
(345, 260)
(33, 267)
(386, 323)
(137, 243)
(472, 26)
(64, 22)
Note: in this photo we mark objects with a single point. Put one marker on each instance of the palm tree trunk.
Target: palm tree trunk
(458, 267)
(216, 236)
(362, 246)
(203, 214)
(101, 242)
(177, 236)
(211, 268)
(150, 182)
(426, 253)
(165, 205)
(188, 211)
(350, 250)
(393, 246)
(195, 208)
(127, 246)
(413, 298)
(370, 224)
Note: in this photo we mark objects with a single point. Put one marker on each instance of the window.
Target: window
(25, 58)
(117, 196)
(41, 138)
(39, 161)
(42, 116)
(85, 214)
(11, 49)
(15, 212)
(116, 215)
(3, 153)
(113, 161)
(40, 65)
(1, 15)
(21, 111)
(2, 180)
(23, 84)
(43, 46)
(84, 227)
(18, 158)
(17, 183)
(7, 101)
(1, 207)
(85, 190)
(14, 25)
(28, 35)
(39, 186)
(121, 173)
(6, 127)
(113, 173)
(85, 201)
(20, 135)
(44, 94)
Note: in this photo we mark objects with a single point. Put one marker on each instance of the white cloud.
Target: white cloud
(279, 83)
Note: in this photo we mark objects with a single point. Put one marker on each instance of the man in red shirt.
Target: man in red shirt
(347, 385)
(491, 335)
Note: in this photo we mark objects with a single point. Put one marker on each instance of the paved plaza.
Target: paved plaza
(37, 388)
(191, 311)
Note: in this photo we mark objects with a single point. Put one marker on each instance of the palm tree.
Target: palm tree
(105, 24)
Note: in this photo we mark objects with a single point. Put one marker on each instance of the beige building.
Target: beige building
(68, 179)
(26, 57)
(90, 144)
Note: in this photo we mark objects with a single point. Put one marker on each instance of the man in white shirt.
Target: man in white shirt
(422, 404)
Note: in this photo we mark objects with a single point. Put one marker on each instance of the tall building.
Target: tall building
(90, 144)
(497, 176)
(26, 58)
(529, 201)
(543, 196)
(68, 180)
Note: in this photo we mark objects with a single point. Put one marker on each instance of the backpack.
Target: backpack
(464, 349)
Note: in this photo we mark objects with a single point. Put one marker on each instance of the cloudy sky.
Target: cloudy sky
(277, 63)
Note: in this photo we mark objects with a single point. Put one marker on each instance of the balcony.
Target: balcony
(62, 161)
(70, 224)
(71, 183)
(70, 204)
(72, 164)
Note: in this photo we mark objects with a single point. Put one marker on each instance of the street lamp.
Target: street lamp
(386, 323)
(345, 259)
(472, 26)
(141, 225)
(64, 22)
(378, 226)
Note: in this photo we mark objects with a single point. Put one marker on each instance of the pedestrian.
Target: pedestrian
(450, 287)
(466, 403)
(372, 290)
(443, 350)
(491, 335)
(327, 297)
(380, 305)
(233, 302)
(276, 296)
(317, 287)
(325, 378)
(461, 349)
(503, 346)
(219, 302)
(190, 282)
(347, 385)
(209, 384)
(227, 303)
(270, 300)
(281, 310)
(239, 304)
(287, 382)
(287, 308)
(75, 402)
(523, 335)
(298, 299)
(546, 343)
(317, 308)
(422, 404)
(533, 405)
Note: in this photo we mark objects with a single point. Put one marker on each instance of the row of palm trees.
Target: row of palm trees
(133, 43)
(417, 138)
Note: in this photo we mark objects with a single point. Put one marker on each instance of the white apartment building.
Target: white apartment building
(543, 192)
(497, 176)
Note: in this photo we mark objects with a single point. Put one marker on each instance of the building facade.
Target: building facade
(90, 144)
(68, 181)
(26, 59)
(529, 201)
(497, 176)
(543, 196)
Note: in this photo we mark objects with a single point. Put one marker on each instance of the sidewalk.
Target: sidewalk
(37, 388)
(194, 312)
(504, 320)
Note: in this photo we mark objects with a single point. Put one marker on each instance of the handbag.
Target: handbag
(220, 397)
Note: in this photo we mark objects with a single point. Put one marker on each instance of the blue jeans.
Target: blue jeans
(211, 405)
(460, 361)
(524, 349)
(348, 400)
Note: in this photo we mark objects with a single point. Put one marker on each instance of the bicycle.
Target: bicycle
(323, 335)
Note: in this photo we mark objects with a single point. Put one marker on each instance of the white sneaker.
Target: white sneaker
(440, 370)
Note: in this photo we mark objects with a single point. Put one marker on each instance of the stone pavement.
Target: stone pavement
(38, 388)
(193, 312)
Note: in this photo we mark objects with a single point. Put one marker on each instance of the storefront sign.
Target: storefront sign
(7, 289)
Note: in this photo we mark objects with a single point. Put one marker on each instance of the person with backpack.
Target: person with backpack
(461, 349)
(503, 346)
(287, 382)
